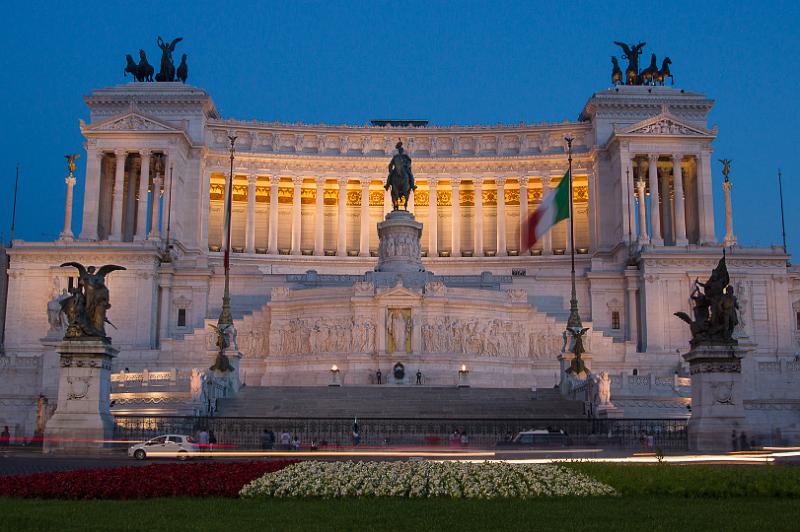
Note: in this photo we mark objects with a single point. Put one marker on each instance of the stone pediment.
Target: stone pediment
(400, 293)
(130, 122)
(664, 124)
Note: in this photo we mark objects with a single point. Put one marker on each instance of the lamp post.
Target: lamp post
(335, 376)
(225, 317)
(574, 325)
(463, 377)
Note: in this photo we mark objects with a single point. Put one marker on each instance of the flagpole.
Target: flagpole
(574, 321)
(14, 209)
(783, 224)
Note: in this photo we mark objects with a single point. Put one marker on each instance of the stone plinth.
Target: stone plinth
(399, 249)
(82, 421)
(717, 395)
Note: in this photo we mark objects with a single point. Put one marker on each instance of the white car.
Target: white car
(168, 446)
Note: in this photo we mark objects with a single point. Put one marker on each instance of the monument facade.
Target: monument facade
(312, 285)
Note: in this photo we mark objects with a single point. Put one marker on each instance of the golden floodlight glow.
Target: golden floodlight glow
(334, 368)
(463, 368)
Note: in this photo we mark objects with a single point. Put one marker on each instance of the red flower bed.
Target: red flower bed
(220, 479)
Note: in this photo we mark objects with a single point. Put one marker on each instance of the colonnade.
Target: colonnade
(432, 241)
(680, 210)
(108, 199)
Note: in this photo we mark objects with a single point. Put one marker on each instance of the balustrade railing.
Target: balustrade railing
(246, 433)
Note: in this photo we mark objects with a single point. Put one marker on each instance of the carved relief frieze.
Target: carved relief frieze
(494, 338)
(307, 335)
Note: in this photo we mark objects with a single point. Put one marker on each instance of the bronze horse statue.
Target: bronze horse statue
(141, 72)
(616, 72)
(665, 73)
(649, 74)
(400, 178)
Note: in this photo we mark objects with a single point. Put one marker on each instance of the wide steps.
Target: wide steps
(398, 402)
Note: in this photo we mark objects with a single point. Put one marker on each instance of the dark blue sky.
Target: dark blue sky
(448, 62)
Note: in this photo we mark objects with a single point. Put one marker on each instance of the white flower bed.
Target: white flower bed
(487, 480)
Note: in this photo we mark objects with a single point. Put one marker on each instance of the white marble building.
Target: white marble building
(309, 197)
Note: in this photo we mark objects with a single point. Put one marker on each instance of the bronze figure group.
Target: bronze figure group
(652, 75)
(715, 309)
(88, 303)
(144, 71)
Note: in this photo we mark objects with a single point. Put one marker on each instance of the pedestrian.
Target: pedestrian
(296, 442)
(464, 438)
(5, 437)
(267, 439)
(286, 441)
(356, 433)
(212, 441)
(378, 376)
(734, 441)
(419, 377)
(454, 438)
(743, 445)
(202, 440)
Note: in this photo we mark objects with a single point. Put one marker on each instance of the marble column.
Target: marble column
(144, 185)
(730, 238)
(705, 199)
(502, 248)
(250, 235)
(319, 218)
(363, 248)
(523, 216)
(666, 207)
(297, 214)
(655, 211)
(155, 211)
(91, 196)
(119, 183)
(478, 234)
(167, 204)
(547, 239)
(455, 219)
(680, 205)
(66, 234)
(433, 218)
(644, 238)
(272, 245)
(341, 219)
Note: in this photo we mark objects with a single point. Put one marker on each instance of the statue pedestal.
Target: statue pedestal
(82, 421)
(231, 379)
(609, 411)
(399, 249)
(568, 381)
(717, 395)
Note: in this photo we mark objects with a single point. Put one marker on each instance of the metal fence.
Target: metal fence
(247, 432)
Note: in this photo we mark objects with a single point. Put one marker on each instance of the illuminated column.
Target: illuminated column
(119, 182)
(631, 317)
(387, 202)
(478, 235)
(655, 216)
(501, 217)
(144, 183)
(547, 238)
(155, 210)
(666, 206)
(455, 210)
(297, 214)
(680, 207)
(643, 236)
(91, 195)
(363, 250)
(272, 245)
(319, 218)
(705, 198)
(250, 239)
(341, 241)
(523, 216)
(66, 234)
(433, 218)
(730, 238)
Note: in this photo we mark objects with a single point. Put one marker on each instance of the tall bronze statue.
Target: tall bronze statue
(631, 53)
(87, 306)
(664, 73)
(71, 162)
(616, 72)
(167, 72)
(400, 179)
(715, 309)
(726, 168)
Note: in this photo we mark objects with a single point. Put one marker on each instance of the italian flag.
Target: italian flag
(554, 208)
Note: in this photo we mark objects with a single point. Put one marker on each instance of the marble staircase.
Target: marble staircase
(399, 402)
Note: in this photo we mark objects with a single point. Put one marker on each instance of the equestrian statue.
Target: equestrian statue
(400, 178)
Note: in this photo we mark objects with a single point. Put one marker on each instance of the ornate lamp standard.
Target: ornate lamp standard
(224, 329)
(574, 326)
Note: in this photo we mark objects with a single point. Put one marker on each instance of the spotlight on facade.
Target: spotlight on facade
(335, 376)
(463, 377)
